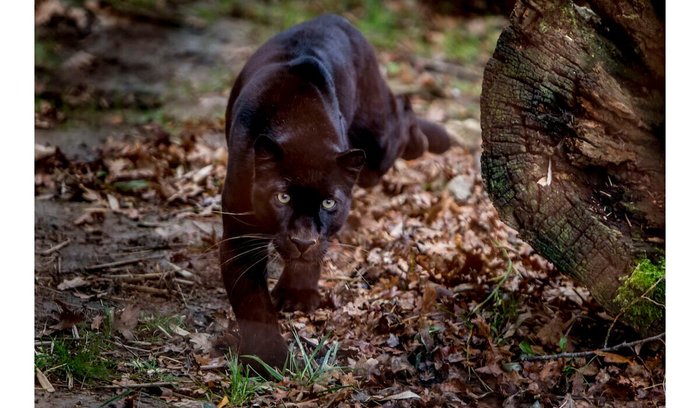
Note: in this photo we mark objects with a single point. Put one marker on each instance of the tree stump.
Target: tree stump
(573, 145)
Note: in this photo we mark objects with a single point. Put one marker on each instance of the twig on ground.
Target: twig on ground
(140, 385)
(135, 278)
(131, 348)
(180, 270)
(147, 289)
(592, 352)
(182, 295)
(121, 263)
(127, 348)
(55, 248)
(483, 384)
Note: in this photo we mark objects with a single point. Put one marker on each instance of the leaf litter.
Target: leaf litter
(402, 284)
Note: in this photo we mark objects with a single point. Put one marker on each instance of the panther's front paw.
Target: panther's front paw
(289, 299)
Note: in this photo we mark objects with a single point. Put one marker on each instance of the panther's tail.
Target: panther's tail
(438, 139)
(425, 135)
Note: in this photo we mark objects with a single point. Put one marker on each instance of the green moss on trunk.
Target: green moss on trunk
(642, 294)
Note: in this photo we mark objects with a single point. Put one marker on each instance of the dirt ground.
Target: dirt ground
(428, 297)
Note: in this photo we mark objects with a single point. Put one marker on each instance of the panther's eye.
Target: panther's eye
(328, 204)
(283, 198)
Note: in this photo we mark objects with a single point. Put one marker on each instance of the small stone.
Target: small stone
(461, 187)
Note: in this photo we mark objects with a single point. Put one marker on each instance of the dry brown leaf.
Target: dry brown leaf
(551, 332)
(202, 359)
(578, 384)
(568, 402)
(76, 282)
(483, 328)
(550, 373)
(42, 152)
(113, 202)
(201, 341)
(202, 174)
(67, 318)
(211, 378)
(589, 369)
(613, 358)
(429, 297)
(179, 330)
(127, 320)
(224, 402)
(493, 369)
(401, 396)
(215, 363)
(43, 381)
(97, 322)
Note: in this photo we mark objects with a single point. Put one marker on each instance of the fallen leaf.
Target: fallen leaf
(178, 330)
(201, 359)
(549, 373)
(578, 384)
(215, 363)
(568, 402)
(97, 322)
(90, 195)
(202, 174)
(461, 187)
(113, 202)
(397, 230)
(127, 320)
(43, 381)
(211, 379)
(72, 283)
(201, 341)
(67, 318)
(429, 297)
(613, 358)
(401, 396)
(551, 332)
(493, 369)
(223, 403)
(393, 341)
(42, 152)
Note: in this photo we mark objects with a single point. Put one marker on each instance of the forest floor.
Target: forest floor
(429, 299)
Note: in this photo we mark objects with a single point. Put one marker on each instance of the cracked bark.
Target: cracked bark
(582, 86)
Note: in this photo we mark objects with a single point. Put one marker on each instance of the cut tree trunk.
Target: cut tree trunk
(580, 90)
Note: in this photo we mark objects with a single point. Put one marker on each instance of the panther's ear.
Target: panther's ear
(267, 149)
(313, 71)
(351, 161)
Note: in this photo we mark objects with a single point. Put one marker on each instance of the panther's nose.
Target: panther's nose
(302, 244)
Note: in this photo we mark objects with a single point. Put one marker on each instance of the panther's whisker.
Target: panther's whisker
(264, 257)
(256, 237)
(258, 248)
(242, 247)
(247, 236)
(232, 213)
(250, 252)
(237, 216)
